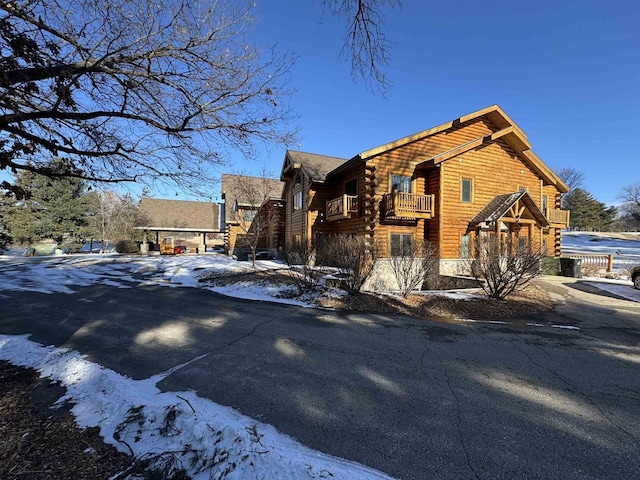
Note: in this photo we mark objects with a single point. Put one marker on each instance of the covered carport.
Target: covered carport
(201, 232)
(177, 217)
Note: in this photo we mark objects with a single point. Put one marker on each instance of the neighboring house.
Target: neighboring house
(193, 222)
(474, 175)
(253, 212)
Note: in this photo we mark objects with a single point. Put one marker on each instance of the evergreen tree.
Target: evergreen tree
(54, 206)
(587, 213)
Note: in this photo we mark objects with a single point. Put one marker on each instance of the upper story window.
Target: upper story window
(545, 202)
(466, 190)
(297, 192)
(297, 200)
(351, 187)
(400, 183)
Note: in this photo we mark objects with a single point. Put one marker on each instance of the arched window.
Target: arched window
(298, 181)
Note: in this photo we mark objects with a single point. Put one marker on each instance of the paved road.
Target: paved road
(415, 399)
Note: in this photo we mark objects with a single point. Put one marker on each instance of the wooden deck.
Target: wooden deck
(408, 205)
(342, 207)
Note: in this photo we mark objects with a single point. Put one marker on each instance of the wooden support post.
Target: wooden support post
(610, 264)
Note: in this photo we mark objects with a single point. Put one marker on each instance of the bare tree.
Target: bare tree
(571, 177)
(574, 179)
(253, 204)
(629, 212)
(504, 267)
(137, 91)
(113, 215)
(413, 265)
(365, 45)
(631, 194)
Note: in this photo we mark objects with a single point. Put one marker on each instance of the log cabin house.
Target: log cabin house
(253, 208)
(445, 185)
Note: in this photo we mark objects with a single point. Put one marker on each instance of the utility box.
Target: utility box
(570, 267)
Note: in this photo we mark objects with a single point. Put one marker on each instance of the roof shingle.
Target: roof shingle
(156, 212)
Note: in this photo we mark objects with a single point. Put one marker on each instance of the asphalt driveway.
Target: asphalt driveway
(556, 396)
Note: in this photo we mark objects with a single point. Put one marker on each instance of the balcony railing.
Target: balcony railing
(408, 205)
(342, 207)
(558, 218)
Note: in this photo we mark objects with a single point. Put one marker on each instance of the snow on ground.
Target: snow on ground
(624, 248)
(619, 288)
(65, 274)
(210, 439)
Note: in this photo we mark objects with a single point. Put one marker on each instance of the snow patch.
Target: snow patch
(135, 417)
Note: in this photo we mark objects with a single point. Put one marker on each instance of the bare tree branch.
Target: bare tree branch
(365, 43)
(144, 90)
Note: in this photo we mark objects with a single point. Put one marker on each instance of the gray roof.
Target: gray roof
(157, 212)
(500, 205)
(315, 166)
(245, 187)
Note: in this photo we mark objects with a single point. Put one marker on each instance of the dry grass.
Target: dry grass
(36, 443)
(529, 301)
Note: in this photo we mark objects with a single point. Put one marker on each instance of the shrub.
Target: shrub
(413, 265)
(504, 267)
(301, 261)
(350, 255)
(550, 265)
(127, 246)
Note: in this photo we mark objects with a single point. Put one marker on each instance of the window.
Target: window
(249, 215)
(400, 244)
(466, 190)
(351, 187)
(544, 246)
(465, 246)
(400, 183)
(522, 243)
(297, 200)
(545, 201)
(298, 181)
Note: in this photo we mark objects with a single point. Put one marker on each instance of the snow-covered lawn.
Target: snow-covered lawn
(625, 248)
(65, 274)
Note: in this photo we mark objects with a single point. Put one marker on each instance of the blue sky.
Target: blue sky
(567, 72)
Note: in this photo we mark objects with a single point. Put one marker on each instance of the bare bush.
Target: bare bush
(301, 261)
(351, 256)
(413, 265)
(504, 267)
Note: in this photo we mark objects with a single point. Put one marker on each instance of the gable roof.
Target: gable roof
(509, 131)
(500, 206)
(248, 191)
(159, 213)
(315, 166)
(494, 113)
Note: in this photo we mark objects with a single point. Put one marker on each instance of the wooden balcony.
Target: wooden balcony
(342, 207)
(558, 218)
(408, 205)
